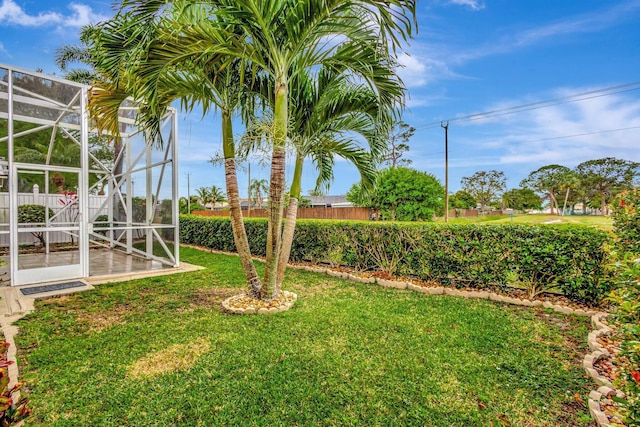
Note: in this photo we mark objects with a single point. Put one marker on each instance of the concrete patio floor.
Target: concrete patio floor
(105, 266)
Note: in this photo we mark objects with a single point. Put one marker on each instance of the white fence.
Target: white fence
(56, 202)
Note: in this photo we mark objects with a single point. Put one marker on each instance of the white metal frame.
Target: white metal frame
(119, 234)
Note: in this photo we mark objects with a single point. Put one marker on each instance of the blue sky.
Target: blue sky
(469, 56)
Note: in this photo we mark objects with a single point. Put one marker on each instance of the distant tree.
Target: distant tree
(216, 195)
(210, 195)
(548, 181)
(462, 200)
(397, 146)
(258, 190)
(304, 202)
(603, 179)
(485, 186)
(570, 183)
(405, 194)
(360, 196)
(203, 195)
(521, 199)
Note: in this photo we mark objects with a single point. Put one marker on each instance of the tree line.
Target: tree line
(409, 195)
(593, 184)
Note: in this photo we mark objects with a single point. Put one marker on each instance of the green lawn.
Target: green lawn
(158, 352)
(602, 222)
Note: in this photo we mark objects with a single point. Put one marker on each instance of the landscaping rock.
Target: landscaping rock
(416, 288)
(334, 273)
(597, 414)
(392, 284)
(497, 297)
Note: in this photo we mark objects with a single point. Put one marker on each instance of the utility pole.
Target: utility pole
(188, 192)
(445, 126)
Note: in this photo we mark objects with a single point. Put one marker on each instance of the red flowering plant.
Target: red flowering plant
(626, 300)
(626, 220)
(13, 408)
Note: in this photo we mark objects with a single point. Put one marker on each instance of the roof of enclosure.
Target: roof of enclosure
(50, 102)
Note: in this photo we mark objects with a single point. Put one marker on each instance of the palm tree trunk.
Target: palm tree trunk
(276, 191)
(290, 222)
(237, 223)
(566, 198)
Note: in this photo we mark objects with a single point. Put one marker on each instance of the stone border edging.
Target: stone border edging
(599, 352)
(443, 290)
(263, 310)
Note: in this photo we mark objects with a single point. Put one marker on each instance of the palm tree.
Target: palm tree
(227, 39)
(329, 110)
(69, 54)
(216, 195)
(258, 189)
(203, 195)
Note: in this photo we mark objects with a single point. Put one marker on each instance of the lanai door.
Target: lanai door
(48, 225)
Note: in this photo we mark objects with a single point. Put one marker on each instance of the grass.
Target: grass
(602, 222)
(158, 352)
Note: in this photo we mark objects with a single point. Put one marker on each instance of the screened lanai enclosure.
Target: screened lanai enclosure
(76, 202)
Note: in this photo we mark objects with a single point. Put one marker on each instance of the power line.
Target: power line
(583, 134)
(434, 153)
(540, 104)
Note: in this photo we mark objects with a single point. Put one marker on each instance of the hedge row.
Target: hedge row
(568, 258)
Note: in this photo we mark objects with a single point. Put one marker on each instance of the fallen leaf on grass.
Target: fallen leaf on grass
(503, 420)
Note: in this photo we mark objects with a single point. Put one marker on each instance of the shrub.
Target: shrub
(626, 314)
(626, 221)
(570, 258)
(626, 299)
(10, 412)
(34, 214)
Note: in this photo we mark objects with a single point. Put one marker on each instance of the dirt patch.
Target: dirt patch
(209, 298)
(178, 357)
(99, 321)
(571, 412)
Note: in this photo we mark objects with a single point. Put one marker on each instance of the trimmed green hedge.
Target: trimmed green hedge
(571, 258)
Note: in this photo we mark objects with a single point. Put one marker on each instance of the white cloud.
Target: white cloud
(83, 15)
(418, 71)
(13, 14)
(3, 49)
(473, 4)
(571, 133)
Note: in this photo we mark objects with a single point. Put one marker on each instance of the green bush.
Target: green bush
(34, 214)
(626, 300)
(571, 258)
(626, 315)
(626, 221)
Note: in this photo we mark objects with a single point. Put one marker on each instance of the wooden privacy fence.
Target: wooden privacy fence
(303, 213)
